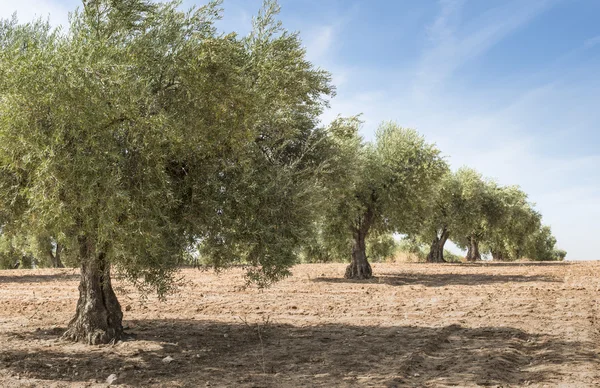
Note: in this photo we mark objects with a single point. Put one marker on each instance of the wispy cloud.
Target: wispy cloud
(592, 42)
(454, 43)
(319, 41)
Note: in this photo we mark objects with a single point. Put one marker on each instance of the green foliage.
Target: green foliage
(516, 221)
(9, 254)
(451, 257)
(381, 248)
(559, 254)
(410, 246)
(381, 187)
(451, 208)
(142, 132)
(540, 246)
(476, 208)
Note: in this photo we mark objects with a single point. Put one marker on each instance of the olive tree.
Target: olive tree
(480, 210)
(448, 213)
(381, 187)
(25, 250)
(517, 221)
(541, 246)
(141, 132)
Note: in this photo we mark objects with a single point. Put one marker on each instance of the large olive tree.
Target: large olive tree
(380, 187)
(141, 132)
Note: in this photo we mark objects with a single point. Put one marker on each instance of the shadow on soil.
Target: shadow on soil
(516, 264)
(262, 354)
(441, 280)
(37, 278)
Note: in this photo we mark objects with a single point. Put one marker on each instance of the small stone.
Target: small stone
(111, 379)
(167, 360)
(225, 335)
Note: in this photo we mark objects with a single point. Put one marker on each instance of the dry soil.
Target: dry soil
(513, 324)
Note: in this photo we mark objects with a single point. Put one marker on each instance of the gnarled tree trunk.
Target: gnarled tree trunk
(436, 252)
(360, 268)
(98, 318)
(473, 250)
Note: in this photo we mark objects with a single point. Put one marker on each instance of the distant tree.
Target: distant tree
(541, 246)
(476, 211)
(10, 255)
(26, 250)
(517, 221)
(447, 214)
(142, 132)
(381, 247)
(381, 187)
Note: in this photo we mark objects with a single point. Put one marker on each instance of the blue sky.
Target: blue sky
(510, 88)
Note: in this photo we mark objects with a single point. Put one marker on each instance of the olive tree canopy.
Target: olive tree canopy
(380, 187)
(143, 131)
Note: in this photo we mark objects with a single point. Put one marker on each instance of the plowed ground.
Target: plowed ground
(515, 324)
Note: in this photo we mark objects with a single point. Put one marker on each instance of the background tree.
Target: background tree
(541, 246)
(382, 187)
(483, 211)
(141, 132)
(517, 220)
(27, 251)
(447, 214)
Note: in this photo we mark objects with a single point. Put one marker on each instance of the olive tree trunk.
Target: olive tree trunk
(98, 318)
(473, 250)
(55, 257)
(360, 268)
(436, 252)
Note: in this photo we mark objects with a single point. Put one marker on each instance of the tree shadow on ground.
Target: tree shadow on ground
(515, 264)
(263, 354)
(37, 277)
(440, 280)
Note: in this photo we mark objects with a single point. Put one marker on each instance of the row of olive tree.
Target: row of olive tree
(401, 184)
(479, 215)
(142, 133)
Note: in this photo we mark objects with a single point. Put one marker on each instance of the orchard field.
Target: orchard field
(432, 325)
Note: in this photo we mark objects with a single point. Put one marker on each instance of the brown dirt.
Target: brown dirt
(431, 325)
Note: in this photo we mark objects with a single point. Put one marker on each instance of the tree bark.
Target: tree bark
(98, 318)
(436, 252)
(360, 268)
(57, 261)
(55, 257)
(473, 250)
